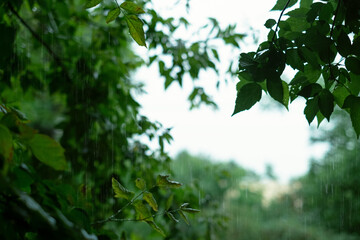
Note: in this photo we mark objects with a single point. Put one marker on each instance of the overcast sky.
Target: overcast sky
(252, 138)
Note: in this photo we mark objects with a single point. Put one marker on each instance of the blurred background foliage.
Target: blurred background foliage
(66, 77)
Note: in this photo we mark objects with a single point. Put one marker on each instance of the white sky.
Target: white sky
(251, 138)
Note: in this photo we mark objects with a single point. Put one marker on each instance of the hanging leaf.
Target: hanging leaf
(247, 96)
(140, 183)
(190, 210)
(163, 181)
(6, 148)
(149, 198)
(142, 211)
(48, 151)
(156, 228)
(172, 217)
(92, 3)
(120, 191)
(112, 15)
(311, 109)
(136, 29)
(184, 217)
(275, 89)
(169, 201)
(132, 8)
(326, 103)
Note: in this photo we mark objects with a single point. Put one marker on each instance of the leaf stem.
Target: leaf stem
(278, 22)
(144, 219)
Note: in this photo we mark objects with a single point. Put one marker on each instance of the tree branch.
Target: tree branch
(39, 39)
(281, 14)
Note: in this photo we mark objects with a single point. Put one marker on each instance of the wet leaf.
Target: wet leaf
(121, 191)
(149, 198)
(172, 217)
(112, 15)
(142, 211)
(92, 3)
(184, 217)
(140, 183)
(163, 181)
(48, 151)
(311, 109)
(132, 8)
(156, 228)
(136, 29)
(326, 103)
(190, 210)
(247, 96)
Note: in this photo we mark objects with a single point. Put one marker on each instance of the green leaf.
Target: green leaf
(215, 53)
(112, 15)
(140, 183)
(270, 23)
(184, 217)
(163, 181)
(326, 103)
(294, 60)
(156, 228)
(247, 96)
(190, 210)
(48, 151)
(121, 191)
(172, 217)
(142, 211)
(280, 4)
(136, 29)
(319, 118)
(340, 93)
(353, 103)
(305, 3)
(149, 198)
(246, 60)
(92, 3)
(326, 12)
(132, 8)
(343, 44)
(356, 46)
(169, 201)
(311, 109)
(353, 65)
(6, 144)
(310, 90)
(286, 96)
(275, 88)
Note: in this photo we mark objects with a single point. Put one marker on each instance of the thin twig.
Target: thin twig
(336, 13)
(277, 25)
(39, 39)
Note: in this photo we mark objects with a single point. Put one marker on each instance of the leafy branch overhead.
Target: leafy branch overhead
(321, 42)
(130, 11)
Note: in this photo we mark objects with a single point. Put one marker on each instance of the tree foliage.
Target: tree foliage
(71, 134)
(319, 40)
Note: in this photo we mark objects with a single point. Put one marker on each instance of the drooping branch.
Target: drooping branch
(56, 58)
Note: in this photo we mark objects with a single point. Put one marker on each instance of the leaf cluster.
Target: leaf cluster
(320, 41)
